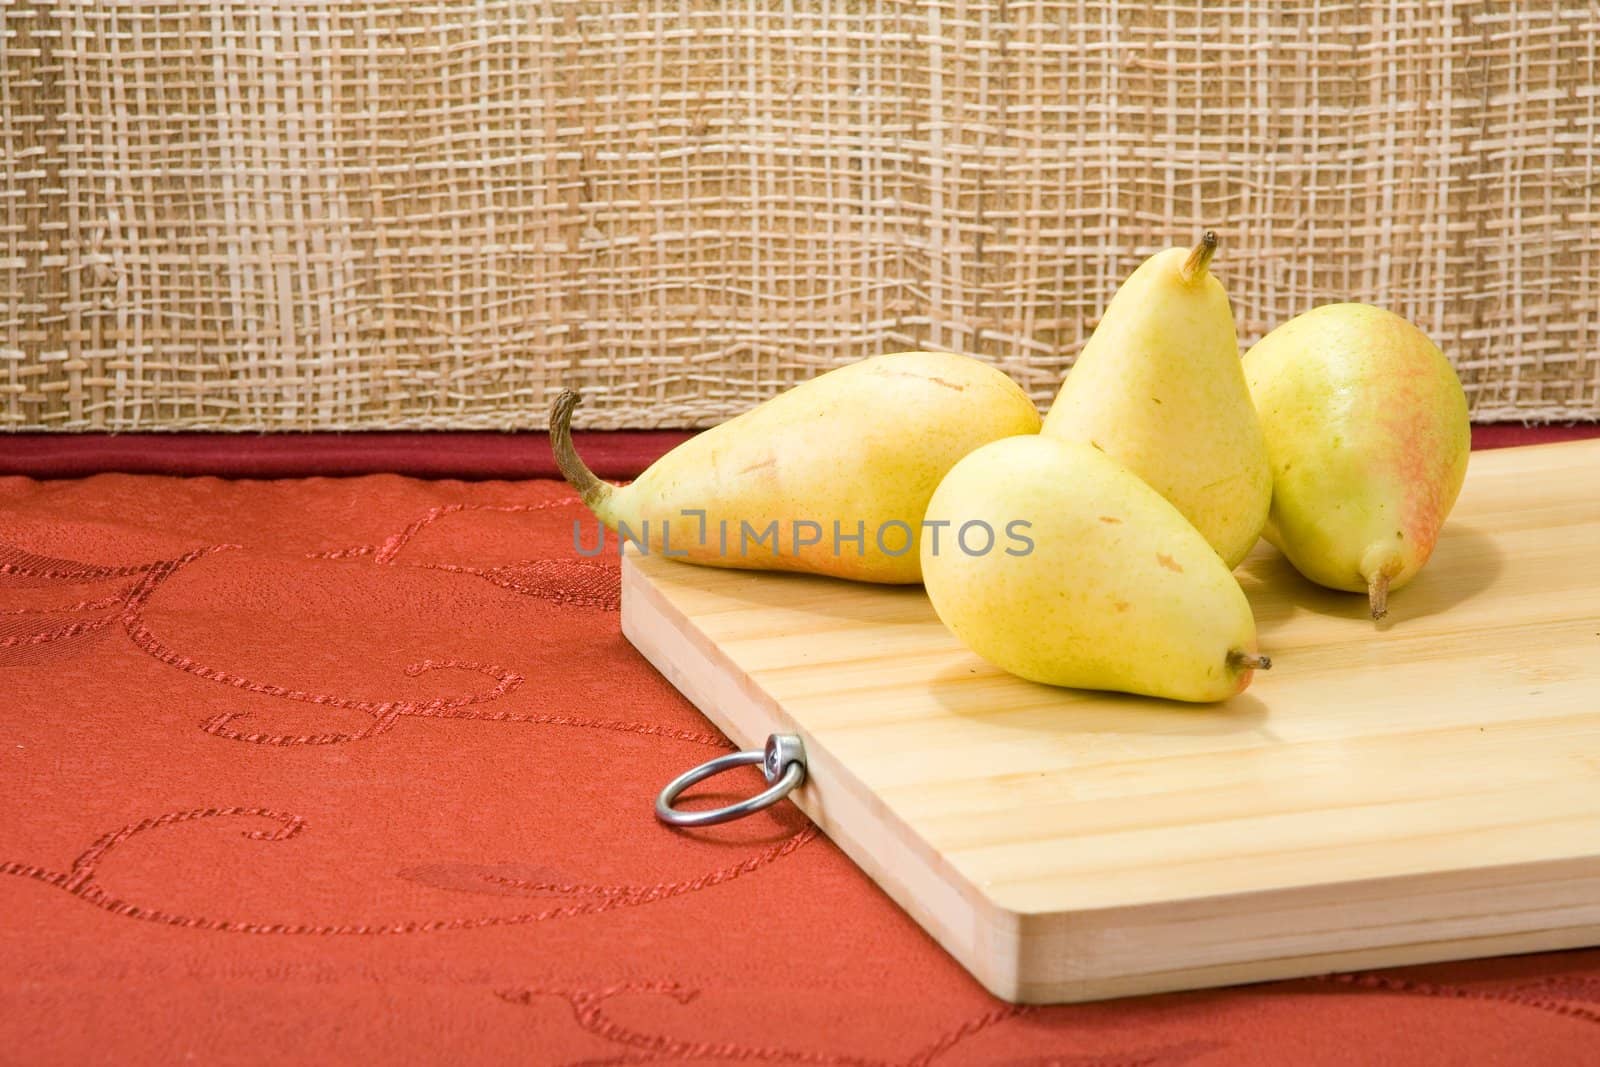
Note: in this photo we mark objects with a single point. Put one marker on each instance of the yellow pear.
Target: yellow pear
(1368, 434)
(1159, 388)
(1090, 578)
(830, 477)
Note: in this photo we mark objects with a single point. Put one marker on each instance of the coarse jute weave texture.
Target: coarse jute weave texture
(296, 214)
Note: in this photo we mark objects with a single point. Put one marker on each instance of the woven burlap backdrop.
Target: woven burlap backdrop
(296, 214)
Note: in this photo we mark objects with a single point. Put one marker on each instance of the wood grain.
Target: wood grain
(1425, 791)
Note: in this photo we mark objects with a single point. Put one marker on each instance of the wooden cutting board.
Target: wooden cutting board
(1427, 791)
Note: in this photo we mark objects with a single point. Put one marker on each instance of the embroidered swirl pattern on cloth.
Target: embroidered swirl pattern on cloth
(364, 767)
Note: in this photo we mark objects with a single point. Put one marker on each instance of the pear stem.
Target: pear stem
(590, 488)
(1378, 594)
(1240, 660)
(1199, 258)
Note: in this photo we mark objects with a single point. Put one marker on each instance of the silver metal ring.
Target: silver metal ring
(783, 762)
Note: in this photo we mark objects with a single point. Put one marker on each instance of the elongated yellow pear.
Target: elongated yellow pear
(1159, 388)
(1368, 434)
(1092, 579)
(830, 477)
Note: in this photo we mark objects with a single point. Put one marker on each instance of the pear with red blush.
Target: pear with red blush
(1367, 438)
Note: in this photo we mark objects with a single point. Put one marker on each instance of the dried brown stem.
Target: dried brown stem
(590, 488)
(1378, 594)
(1199, 258)
(1240, 660)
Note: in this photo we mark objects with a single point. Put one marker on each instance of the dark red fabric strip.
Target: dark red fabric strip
(469, 456)
(1511, 434)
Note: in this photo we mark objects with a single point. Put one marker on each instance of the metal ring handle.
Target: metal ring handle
(783, 762)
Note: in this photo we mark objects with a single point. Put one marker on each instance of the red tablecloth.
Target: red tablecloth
(338, 770)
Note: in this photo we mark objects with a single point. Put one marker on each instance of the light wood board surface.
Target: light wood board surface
(1425, 791)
